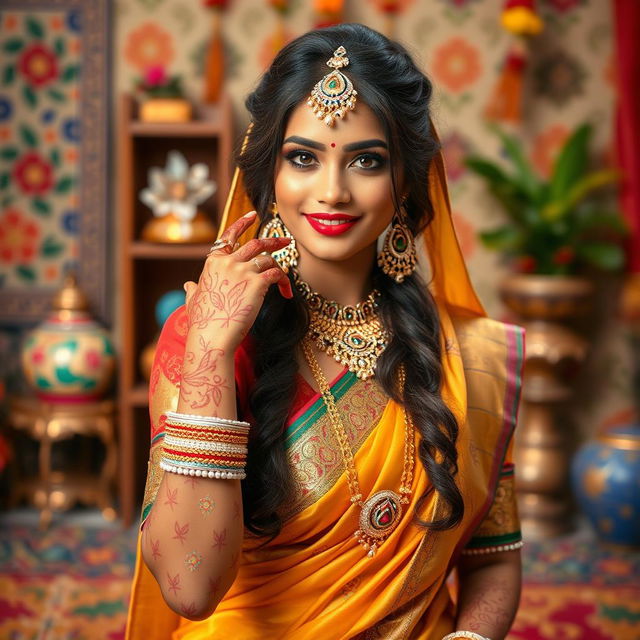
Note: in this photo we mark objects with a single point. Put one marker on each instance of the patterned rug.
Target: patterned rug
(72, 583)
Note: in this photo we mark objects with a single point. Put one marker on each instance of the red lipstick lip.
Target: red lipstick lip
(330, 216)
(330, 229)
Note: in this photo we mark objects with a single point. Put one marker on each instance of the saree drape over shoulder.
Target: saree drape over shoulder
(314, 580)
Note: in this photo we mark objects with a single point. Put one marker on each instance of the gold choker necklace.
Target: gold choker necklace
(352, 335)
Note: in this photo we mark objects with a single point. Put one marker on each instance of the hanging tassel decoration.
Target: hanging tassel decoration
(519, 18)
(329, 12)
(214, 62)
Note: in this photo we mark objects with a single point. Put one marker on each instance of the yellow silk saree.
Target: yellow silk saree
(314, 580)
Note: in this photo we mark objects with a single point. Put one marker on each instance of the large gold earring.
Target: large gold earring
(287, 257)
(398, 258)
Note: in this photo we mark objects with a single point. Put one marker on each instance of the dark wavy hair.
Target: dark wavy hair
(389, 82)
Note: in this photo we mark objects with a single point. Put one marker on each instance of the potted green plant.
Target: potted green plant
(557, 231)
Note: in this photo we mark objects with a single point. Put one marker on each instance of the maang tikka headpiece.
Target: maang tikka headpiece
(334, 95)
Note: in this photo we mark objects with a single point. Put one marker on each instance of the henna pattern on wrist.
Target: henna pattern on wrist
(202, 378)
(215, 300)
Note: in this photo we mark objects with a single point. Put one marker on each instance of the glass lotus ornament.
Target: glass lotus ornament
(173, 195)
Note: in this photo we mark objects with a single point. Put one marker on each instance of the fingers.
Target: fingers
(189, 288)
(277, 276)
(238, 228)
(260, 245)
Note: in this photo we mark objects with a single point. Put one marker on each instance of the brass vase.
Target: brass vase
(554, 351)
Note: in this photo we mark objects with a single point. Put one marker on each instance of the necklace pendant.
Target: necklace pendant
(380, 515)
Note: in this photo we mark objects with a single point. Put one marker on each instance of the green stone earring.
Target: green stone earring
(398, 258)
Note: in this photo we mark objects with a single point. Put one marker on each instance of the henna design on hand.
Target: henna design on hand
(211, 303)
(188, 610)
(181, 531)
(207, 386)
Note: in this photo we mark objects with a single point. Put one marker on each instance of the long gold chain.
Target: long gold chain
(345, 448)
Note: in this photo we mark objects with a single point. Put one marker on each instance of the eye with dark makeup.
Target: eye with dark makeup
(302, 159)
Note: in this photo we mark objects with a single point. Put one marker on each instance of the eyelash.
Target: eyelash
(298, 165)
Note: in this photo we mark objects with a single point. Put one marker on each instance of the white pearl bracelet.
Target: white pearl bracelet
(465, 634)
(501, 547)
(203, 473)
(207, 421)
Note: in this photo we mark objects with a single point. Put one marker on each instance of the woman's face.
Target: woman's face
(333, 185)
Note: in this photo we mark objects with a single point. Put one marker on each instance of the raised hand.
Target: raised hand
(223, 305)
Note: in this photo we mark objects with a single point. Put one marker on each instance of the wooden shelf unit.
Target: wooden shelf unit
(148, 270)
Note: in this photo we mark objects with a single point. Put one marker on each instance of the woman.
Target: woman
(359, 496)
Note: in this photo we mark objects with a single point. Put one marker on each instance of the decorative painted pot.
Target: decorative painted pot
(165, 110)
(69, 357)
(606, 482)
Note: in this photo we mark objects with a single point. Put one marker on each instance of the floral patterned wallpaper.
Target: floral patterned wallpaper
(39, 136)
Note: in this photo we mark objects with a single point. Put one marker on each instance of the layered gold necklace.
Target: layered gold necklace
(352, 335)
(380, 513)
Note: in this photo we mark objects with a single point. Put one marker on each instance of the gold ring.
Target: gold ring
(219, 244)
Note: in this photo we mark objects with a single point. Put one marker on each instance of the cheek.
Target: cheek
(289, 187)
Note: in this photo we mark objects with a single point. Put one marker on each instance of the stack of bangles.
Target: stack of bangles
(205, 447)
(458, 635)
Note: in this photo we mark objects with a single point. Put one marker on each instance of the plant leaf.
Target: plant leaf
(4, 180)
(59, 47)
(505, 238)
(51, 247)
(13, 45)
(70, 73)
(9, 75)
(64, 184)
(571, 162)
(578, 192)
(41, 207)
(28, 136)
(26, 273)
(54, 156)
(608, 257)
(29, 96)
(8, 153)
(34, 28)
(524, 176)
(56, 95)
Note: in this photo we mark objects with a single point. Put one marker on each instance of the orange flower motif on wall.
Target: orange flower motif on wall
(466, 235)
(456, 64)
(18, 238)
(149, 46)
(546, 146)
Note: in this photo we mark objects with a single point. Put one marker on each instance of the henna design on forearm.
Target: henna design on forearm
(219, 540)
(172, 496)
(214, 586)
(214, 301)
(181, 531)
(207, 505)
(236, 510)
(491, 607)
(155, 548)
(174, 583)
(193, 481)
(202, 378)
(193, 560)
(188, 610)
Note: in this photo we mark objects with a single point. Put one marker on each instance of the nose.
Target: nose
(333, 188)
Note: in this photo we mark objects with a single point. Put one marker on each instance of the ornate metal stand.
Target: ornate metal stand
(553, 354)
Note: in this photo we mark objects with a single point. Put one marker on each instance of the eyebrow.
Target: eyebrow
(353, 146)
